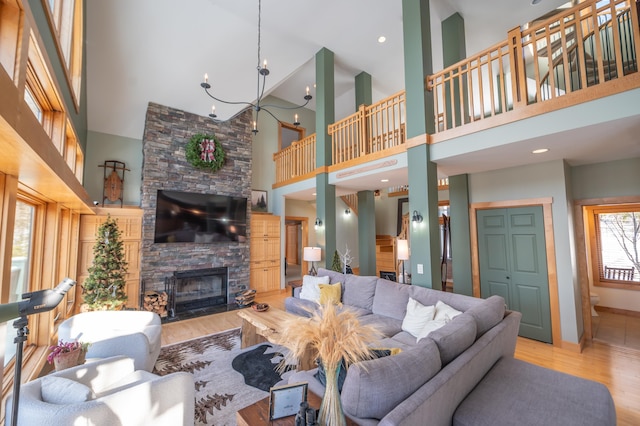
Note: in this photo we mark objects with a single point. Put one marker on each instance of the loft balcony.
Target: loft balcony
(582, 54)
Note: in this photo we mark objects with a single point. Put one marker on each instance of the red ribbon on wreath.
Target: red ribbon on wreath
(207, 148)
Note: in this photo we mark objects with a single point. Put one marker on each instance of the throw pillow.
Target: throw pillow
(310, 289)
(445, 312)
(58, 390)
(417, 317)
(431, 326)
(330, 293)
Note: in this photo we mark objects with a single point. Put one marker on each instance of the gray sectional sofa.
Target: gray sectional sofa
(429, 379)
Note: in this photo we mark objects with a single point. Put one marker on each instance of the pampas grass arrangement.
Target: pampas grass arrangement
(336, 335)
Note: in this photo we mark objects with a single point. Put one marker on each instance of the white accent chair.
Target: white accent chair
(106, 392)
(135, 334)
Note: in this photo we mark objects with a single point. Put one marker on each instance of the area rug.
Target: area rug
(226, 377)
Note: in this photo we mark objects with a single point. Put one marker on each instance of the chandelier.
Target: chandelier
(257, 106)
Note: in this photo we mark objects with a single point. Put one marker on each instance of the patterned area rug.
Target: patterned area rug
(227, 378)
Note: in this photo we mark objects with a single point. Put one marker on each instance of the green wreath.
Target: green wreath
(208, 160)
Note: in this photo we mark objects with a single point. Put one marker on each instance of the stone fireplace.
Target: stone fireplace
(167, 132)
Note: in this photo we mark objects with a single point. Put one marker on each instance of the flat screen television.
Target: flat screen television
(189, 217)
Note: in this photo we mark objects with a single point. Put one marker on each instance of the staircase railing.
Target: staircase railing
(573, 50)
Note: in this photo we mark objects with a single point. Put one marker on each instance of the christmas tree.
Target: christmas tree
(105, 287)
(336, 265)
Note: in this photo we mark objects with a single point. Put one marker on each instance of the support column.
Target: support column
(454, 50)
(460, 238)
(423, 182)
(364, 94)
(367, 233)
(325, 114)
(366, 200)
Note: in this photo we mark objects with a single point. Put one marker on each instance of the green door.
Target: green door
(513, 264)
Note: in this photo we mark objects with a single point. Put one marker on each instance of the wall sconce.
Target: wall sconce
(318, 223)
(416, 218)
(347, 212)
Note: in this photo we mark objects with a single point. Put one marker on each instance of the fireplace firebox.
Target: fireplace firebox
(197, 290)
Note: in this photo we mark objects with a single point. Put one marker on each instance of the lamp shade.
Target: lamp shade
(403, 249)
(312, 254)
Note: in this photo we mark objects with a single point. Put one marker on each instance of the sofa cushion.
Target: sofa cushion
(59, 390)
(330, 293)
(417, 317)
(519, 393)
(375, 387)
(334, 277)
(359, 291)
(391, 299)
(385, 325)
(310, 287)
(487, 314)
(455, 337)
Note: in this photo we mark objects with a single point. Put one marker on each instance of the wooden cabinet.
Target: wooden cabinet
(130, 225)
(265, 253)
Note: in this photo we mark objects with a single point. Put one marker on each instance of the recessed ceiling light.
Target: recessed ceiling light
(382, 39)
(384, 180)
(534, 2)
(540, 151)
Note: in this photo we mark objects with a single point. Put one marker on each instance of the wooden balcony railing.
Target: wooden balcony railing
(584, 46)
(372, 129)
(296, 160)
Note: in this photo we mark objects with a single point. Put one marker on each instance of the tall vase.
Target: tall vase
(331, 408)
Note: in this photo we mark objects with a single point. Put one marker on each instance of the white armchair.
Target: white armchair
(135, 334)
(106, 392)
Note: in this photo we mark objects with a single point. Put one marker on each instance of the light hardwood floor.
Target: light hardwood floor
(617, 368)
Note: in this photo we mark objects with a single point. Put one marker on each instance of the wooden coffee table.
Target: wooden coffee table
(258, 414)
(259, 327)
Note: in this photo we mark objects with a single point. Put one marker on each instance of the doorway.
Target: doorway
(296, 238)
(543, 220)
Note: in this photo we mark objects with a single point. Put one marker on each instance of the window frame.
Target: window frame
(595, 247)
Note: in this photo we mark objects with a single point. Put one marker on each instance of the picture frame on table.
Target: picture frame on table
(259, 201)
(285, 400)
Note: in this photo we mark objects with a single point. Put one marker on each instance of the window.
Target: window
(288, 134)
(33, 104)
(65, 18)
(21, 256)
(615, 248)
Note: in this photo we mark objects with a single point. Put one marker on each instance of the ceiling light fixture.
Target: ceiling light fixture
(263, 72)
(540, 151)
(384, 180)
(382, 39)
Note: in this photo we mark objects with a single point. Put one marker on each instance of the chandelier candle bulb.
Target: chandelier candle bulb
(206, 77)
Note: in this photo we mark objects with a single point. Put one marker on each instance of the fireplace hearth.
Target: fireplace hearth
(198, 292)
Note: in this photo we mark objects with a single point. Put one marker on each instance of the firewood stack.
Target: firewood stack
(245, 298)
(156, 302)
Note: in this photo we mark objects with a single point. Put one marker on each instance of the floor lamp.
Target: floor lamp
(312, 254)
(403, 254)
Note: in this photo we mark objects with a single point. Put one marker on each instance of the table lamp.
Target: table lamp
(312, 254)
(403, 254)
